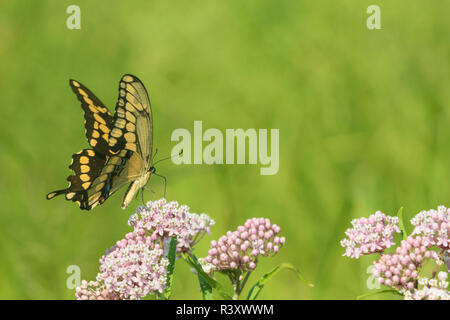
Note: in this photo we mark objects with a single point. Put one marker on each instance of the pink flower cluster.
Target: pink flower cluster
(434, 225)
(369, 235)
(240, 249)
(400, 270)
(431, 289)
(94, 290)
(137, 265)
(134, 267)
(130, 270)
(161, 220)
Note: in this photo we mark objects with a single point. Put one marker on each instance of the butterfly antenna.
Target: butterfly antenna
(172, 156)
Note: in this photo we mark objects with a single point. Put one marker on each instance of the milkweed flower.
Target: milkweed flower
(430, 289)
(161, 220)
(400, 270)
(434, 225)
(137, 265)
(94, 290)
(428, 293)
(134, 267)
(369, 235)
(131, 269)
(241, 248)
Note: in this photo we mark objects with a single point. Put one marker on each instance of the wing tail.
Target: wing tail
(55, 193)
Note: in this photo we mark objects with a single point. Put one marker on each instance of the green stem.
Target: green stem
(247, 275)
(237, 291)
(236, 282)
(245, 280)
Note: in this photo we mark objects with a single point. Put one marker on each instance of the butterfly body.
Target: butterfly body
(134, 187)
(121, 146)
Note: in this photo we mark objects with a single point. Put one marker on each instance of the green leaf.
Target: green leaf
(259, 285)
(401, 224)
(204, 286)
(210, 281)
(170, 268)
(376, 293)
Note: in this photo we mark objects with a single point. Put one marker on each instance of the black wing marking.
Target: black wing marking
(98, 119)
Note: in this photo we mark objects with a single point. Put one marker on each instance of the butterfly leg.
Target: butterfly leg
(154, 155)
(142, 196)
(149, 190)
(165, 182)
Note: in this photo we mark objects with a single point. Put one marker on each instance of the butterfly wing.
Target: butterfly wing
(98, 119)
(130, 145)
(132, 127)
(122, 146)
(118, 170)
(132, 130)
(87, 166)
(97, 177)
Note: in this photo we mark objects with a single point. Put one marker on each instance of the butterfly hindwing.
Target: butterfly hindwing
(97, 118)
(87, 166)
(113, 176)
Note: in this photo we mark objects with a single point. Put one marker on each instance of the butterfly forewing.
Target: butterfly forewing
(97, 118)
(132, 125)
(132, 130)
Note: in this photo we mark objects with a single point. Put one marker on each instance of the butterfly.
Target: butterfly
(121, 146)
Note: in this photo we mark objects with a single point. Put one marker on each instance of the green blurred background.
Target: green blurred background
(362, 117)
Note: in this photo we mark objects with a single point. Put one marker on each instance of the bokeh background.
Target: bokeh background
(363, 117)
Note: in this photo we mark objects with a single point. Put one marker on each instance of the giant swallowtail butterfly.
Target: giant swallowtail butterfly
(121, 146)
